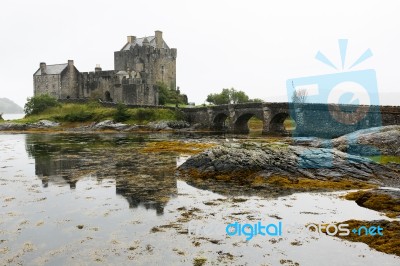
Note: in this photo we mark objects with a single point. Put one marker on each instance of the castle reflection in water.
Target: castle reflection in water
(143, 179)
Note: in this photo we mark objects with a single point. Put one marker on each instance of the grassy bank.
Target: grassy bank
(94, 112)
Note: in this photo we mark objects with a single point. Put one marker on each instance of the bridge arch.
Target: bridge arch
(277, 125)
(219, 121)
(240, 125)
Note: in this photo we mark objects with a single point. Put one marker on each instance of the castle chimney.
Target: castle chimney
(42, 68)
(159, 39)
(131, 39)
(70, 63)
(97, 68)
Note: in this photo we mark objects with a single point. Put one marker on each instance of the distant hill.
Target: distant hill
(9, 107)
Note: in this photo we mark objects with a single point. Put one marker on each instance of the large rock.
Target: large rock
(289, 161)
(167, 125)
(12, 126)
(373, 141)
(25, 126)
(109, 124)
(159, 125)
(44, 124)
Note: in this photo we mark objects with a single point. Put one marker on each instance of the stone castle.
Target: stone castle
(139, 66)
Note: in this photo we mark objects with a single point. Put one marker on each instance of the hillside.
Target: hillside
(9, 107)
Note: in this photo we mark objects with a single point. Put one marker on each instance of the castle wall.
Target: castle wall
(96, 85)
(47, 84)
(70, 82)
(142, 94)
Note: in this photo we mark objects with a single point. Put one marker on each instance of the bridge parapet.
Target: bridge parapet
(312, 119)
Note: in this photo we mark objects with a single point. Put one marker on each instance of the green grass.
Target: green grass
(94, 112)
(385, 159)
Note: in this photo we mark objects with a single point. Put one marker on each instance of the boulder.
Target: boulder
(109, 124)
(289, 161)
(160, 125)
(44, 124)
(12, 126)
(369, 142)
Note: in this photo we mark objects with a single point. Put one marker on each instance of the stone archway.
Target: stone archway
(219, 122)
(241, 124)
(107, 96)
(276, 124)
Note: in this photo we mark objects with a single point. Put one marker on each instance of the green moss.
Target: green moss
(388, 243)
(176, 147)
(314, 184)
(199, 261)
(385, 159)
(376, 201)
(245, 176)
(252, 179)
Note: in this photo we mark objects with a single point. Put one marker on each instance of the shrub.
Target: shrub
(122, 113)
(143, 114)
(179, 115)
(78, 116)
(38, 104)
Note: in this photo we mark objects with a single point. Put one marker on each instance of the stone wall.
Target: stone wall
(139, 94)
(99, 85)
(47, 84)
(70, 82)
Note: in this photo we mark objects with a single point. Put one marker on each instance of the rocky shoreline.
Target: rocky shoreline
(98, 126)
(298, 166)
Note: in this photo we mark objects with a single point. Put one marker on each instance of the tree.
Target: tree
(256, 100)
(238, 96)
(230, 96)
(38, 104)
(219, 98)
(299, 96)
(167, 95)
(121, 114)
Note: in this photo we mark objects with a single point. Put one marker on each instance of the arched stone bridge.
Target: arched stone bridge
(325, 120)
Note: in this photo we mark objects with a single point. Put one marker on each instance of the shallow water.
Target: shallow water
(12, 116)
(97, 199)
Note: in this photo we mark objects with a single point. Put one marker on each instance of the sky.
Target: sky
(254, 46)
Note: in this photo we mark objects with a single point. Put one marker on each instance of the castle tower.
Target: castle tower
(149, 56)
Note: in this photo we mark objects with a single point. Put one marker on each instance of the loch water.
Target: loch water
(95, 199)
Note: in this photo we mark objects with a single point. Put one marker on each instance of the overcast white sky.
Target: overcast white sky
(253, 46)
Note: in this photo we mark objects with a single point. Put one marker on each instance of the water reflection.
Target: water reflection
(142, 179)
